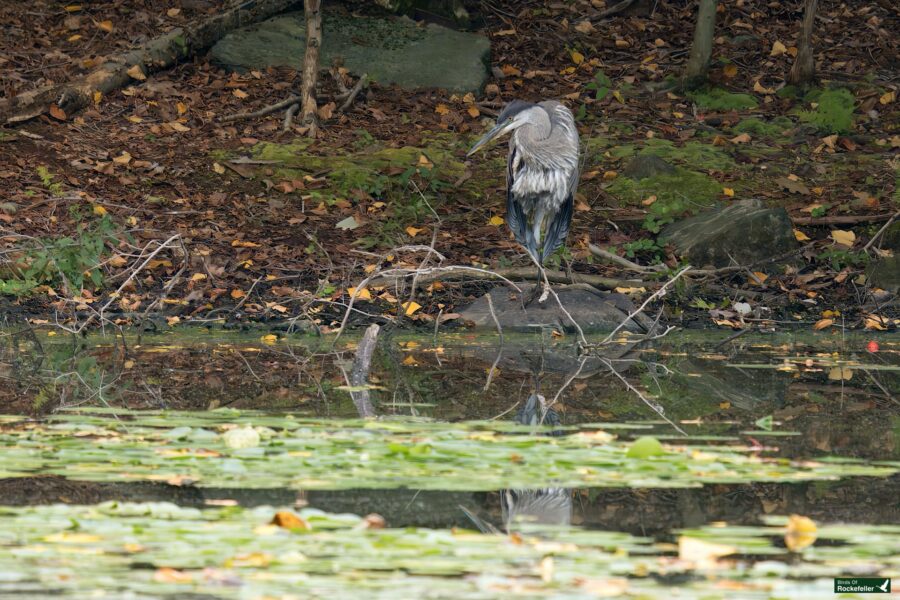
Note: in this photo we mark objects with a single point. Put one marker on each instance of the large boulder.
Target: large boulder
(391, 51)
(593, 310)
(744, 233)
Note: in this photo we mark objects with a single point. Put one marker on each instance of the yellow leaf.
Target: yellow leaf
(409, 360)
(510, 71)
(759, 89)
(181, 107)
(288, 520)
(179, 127)
(173, 320)
(134, 119)
(410, 308)
(730, 70)
(97, 96)
(106, 26)
(584, 27)
(677, 115)
(496, 221)
(118, 261)
(198, 277)
(741, 139)
(648, 200)
(369, 269)
(778, 49)
(413, 231)
(74, 38)
(135, 72)
(623, 44)
(218, 168)
(122, 159)
(800, 236)
(701, 552)
(823, 324)
(840, 374)
(442, 109)
(362, 294)
(610, 175)
(577, 57)
(759, 277)
(71, 8)
(843, 237)
(888, 97)
(269, 339)
(618, 96)
(728, 192)
(469, 98)
(99, 210)
(473, 112)
(800, 533)
(236, 293)
(72, 537)
(424, 162)
(876, 323)
(243, 244)
(238, 93)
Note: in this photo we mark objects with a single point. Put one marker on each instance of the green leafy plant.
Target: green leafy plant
(70, 260)
(600, 85)
(48, 181)
(840, 259)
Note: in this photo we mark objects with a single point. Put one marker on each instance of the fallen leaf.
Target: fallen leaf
(759, 89)
(741, 139)
(218, 168)
(178, 126)
(840, 374)
(584, 27)
(843, 237)
(728, 192)
(99, 210)
(823, 324)
(609, 175)
(473, 112)
(410, 308)
(413, 231)
(648, 200)
(288, 520)
(442, 109)
(326, 111)
(701, 552)
(792, 185)
(800, 236)
(236, 293)
(57, 113)
(730, 70)
(239, 93)
(496, 221)
(778, 49)
(348, 223)
(577, 57)
(135, 72)
(243, 244)
(106, 26)
(888, 97)
(122, 159)
(362, 294)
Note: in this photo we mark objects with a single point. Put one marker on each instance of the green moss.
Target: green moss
(760, 127)
(833, 112)
(678, 193)
(695, 154)
(719, 99)
(363, 169)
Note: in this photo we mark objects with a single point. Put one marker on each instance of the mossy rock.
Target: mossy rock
(677, 193)
(759, 127)
(833, 112)
(719, 99)
(697, 155)
(364, 169)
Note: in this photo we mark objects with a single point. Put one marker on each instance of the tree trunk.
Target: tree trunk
(313, 14)
(701, 48)
(157, 54)
(803, 71)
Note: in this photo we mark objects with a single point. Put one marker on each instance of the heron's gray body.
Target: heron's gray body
(542, 173)
(542, 176)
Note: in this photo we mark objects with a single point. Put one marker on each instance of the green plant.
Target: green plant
(840, 259)
(69, 261)
(833, 112)
(600, 85)
(47, 180)
(644, 246)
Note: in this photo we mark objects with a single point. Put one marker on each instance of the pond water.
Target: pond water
(211, 464)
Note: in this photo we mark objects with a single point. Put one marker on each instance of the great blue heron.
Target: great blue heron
(541, 173)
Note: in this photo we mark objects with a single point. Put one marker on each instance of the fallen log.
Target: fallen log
(157, 54)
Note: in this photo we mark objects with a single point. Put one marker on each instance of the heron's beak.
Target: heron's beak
(497, 131)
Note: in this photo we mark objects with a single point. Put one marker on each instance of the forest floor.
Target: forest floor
(89, 197)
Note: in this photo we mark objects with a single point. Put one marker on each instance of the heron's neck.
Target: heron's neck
(536, 129)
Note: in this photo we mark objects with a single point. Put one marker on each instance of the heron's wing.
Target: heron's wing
(515, 216)
(558, 229)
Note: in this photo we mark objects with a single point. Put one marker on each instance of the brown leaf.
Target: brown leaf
(57, 113)
(288, 520)
(795, 187)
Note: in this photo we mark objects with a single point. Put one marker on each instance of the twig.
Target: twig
(263, 111)
(624, 262)
(568, 381)
(841, 219)
(616, 9)
(881, 231)
(363, 82)
(658, 293)
(359, 373)
(490, 375)
(654, 406)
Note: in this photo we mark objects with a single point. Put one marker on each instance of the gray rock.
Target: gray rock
(885, 273)
(593, 310)
(647, 165)
(391, 51)
(744, 233)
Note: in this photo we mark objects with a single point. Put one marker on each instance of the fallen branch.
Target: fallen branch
(526, 274)
(881, 231)
(841, 219)
(351, 96)
(263, 111)
(157, 54)
(624, 262)
(616, 9)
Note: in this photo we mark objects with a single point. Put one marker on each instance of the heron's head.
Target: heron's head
(516, 114)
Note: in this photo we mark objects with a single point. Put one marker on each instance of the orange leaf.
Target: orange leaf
(823, 324)
(288, 520)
